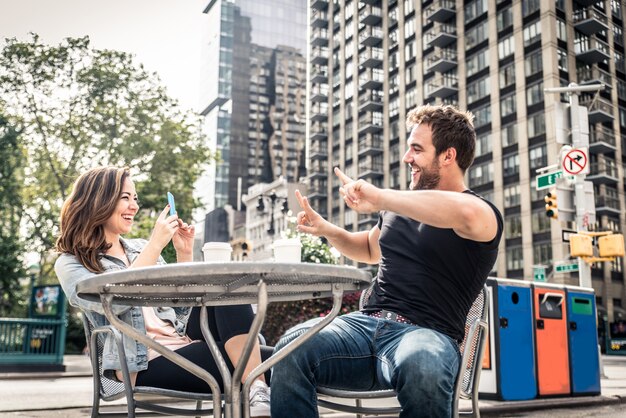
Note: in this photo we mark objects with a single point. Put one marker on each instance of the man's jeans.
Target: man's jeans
(359, 352)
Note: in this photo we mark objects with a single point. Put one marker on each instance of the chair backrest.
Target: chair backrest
(107, 388)
(472, 348)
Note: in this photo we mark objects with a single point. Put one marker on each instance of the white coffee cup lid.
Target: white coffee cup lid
(216, 246)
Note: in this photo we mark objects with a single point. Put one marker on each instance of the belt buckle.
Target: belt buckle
(392, 316)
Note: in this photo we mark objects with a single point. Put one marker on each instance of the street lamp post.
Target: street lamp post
(273, 199)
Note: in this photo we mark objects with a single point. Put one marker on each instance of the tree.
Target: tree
(77, 108)
(11, 246)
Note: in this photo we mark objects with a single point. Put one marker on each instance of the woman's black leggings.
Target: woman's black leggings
(225, 322)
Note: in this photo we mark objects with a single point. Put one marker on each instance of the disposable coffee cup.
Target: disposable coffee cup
(287, 250)
(217, 251)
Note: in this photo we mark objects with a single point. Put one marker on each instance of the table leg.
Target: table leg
(165, 352)
(337, 290)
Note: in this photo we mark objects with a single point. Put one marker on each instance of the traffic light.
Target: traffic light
(551, 207)
(611, 245)
(580, 245)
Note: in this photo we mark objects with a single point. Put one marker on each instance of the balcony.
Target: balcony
(590, 21)
(441, 10)
(442, 61)
(316, 191)
(370, 169)
(368, 123)
(319, 4)
(607, 203)
(319, 56)
(443, 88)
(599, 110)
(319, 93)
(367, 219)
(371, 36)
(319, 75)
(371, 58)
(586, 3)
(319, 37)
(371, 101)
(319, 112)
(371, 79)
(318, 150)
(603, 172)
(370, 15)
(370, 145)
(319, 19)
(441, 35)
(590, 50)
(601, 140)
(593, 75)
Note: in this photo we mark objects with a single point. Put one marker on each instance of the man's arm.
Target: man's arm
(359, 246)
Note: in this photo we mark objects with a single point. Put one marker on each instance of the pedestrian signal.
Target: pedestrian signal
(611, 245)
(580, 245)
(551, 206)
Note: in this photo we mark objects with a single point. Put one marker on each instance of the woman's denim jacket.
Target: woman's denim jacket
(70, 272)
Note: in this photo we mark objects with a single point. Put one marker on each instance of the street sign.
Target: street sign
(565, 233)
(576, 161)
(547, 180)
(539, 273)
(566, 267)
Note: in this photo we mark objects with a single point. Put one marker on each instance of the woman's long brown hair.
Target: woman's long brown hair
(94, 197)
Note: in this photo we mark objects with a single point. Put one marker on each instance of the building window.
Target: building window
(409, 50)
(536, 125)
(514, 258)
(542, 253)
(513, 226)
(505, 47)
(507, 105)
(510, 165)
(540, 222)
(512, 196)
(483, 144)
(475, 35)
(561, 56)
(507, 75)
(529, 6)
(474, 9)
(534, 94)
(504, 18)
(411, 98)
(482, 116)
(478, 89)
(409, 28)
(561, 30)
(477, 62)
(538, 157)
(481, 174)
(509, 134)
(533, 63)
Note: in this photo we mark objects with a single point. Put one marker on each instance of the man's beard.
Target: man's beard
(429, 178)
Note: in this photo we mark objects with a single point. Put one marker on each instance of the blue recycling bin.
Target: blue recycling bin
(583, 341)
(509, 364)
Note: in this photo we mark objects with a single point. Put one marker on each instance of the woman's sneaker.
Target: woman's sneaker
(259, 400)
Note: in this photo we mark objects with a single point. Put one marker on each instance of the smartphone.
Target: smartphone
(170, 200)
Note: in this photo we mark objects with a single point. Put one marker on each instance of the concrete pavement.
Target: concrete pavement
(69, 393)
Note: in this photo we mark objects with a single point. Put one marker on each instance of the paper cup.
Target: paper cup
(217, 251)
(287, 250)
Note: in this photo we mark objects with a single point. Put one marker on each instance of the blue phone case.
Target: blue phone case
(170, 200)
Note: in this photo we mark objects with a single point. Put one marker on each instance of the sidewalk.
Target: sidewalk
(69, 393)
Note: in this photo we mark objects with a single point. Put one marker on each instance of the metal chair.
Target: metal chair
(466, 387)
(109, 390)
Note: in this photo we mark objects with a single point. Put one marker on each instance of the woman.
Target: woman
(98, 212)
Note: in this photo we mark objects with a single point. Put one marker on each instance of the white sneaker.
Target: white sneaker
(259, 400)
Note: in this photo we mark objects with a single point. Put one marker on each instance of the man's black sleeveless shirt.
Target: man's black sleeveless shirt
(430, 275)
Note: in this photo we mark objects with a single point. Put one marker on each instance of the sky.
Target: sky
(164, 35)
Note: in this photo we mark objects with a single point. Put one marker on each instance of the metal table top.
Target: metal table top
(199, 283)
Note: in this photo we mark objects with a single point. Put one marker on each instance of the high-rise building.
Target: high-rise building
(371, 61)
(253, 92)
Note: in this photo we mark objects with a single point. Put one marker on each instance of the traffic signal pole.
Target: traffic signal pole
(579, 140)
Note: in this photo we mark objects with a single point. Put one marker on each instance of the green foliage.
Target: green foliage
(77, 108)
(11, 245)
(282, 316)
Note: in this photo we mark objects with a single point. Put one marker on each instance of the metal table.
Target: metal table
(210, 284)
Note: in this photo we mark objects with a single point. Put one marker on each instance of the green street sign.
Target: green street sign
(566, 267)
(539, 274)
(547, 180)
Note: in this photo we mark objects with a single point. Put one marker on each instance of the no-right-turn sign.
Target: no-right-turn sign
(576, 161)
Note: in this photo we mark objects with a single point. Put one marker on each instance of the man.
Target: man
(435, 245)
